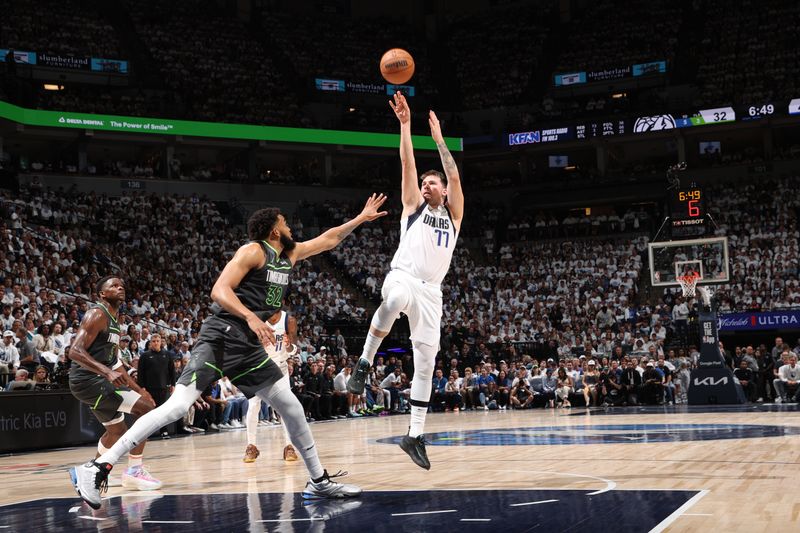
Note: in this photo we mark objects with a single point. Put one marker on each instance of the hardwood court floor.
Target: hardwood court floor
(740, 467)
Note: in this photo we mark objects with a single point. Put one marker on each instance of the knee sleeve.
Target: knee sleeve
(424, 360)
(294, 420)
(292, 414)
(179, 403)
(389, 310)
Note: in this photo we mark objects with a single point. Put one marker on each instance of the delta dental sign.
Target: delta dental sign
(759, 321)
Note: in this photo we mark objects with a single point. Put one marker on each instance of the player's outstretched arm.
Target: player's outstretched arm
(411, 196)
(248, 257)
(455, 194)
(331, 238)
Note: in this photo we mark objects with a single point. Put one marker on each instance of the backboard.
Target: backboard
(708, 257)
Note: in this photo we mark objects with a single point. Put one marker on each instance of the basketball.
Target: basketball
(397, 66)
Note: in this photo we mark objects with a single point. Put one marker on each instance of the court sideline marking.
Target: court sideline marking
(679, 511)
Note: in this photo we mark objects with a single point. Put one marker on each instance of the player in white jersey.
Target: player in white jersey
(285, 329)
(429, 227)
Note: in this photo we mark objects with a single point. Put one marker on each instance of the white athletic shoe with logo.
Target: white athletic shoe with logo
(326, 488)
(140, 479)
(91, 481)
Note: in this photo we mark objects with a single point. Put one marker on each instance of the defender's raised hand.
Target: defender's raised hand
(436, 128)
(374, 202)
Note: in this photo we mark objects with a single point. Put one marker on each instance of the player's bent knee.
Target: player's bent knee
(395, 301)
(141, 407)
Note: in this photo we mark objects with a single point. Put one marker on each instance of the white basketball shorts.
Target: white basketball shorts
(424, 308)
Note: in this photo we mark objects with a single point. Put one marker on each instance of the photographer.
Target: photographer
(521, 394)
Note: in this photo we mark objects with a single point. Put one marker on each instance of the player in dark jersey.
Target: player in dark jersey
(233, 343)
(98, 379)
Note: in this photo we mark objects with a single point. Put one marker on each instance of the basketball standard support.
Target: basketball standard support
(712, 382)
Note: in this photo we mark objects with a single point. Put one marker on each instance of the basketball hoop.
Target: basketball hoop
(689, 287)
(689, 283)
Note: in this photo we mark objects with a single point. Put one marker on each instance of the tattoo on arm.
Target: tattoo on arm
(448, 162)
(343, 233)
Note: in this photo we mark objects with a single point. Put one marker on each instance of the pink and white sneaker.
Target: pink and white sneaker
(140, 479)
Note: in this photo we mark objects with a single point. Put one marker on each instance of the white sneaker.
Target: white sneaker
(225, 425)
(213, 427)
(91, 481)
(778, 400)
(236, 424)
(326, 488)
(760, 400)
(140, 479)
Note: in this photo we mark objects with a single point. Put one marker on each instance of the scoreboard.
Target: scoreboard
(687, 209)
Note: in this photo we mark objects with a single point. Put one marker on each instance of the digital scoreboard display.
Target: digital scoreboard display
(687, 209)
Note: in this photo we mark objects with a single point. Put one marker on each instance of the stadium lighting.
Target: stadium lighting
(53, 87)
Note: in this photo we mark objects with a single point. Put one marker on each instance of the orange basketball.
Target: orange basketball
(397, 66)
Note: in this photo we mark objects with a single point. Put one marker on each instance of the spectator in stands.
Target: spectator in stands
(41, 376)
(235, 407)
(765, 375)
(452, 397)
(652, 389)
(9, 356)
(438, 390)
(469, 390)
(787, 380)
(393, 383)
(591, 383)
(746, 379)
(631, 381)
(503, 388)
(565, 387)
(28, 355)
(213, 397)
(483, 381)
(20, 381)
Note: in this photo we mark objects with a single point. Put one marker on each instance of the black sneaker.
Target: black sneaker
(415, 448)
(359, 378)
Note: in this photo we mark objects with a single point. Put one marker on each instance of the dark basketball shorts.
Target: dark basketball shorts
(106, 400)
(229, 349)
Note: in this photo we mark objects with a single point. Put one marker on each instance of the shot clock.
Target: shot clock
(687, 209)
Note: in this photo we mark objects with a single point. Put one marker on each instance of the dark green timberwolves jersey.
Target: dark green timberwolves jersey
(262, 289)
(106, 345)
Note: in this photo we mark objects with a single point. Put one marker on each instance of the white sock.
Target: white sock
(371, 346)
(134, 461)
(253, 409)
(417, 426)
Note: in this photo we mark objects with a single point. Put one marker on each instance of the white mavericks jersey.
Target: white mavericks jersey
(427, 240)
(278, 352)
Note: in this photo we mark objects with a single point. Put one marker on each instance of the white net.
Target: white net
(688, 284)
(690, 288)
